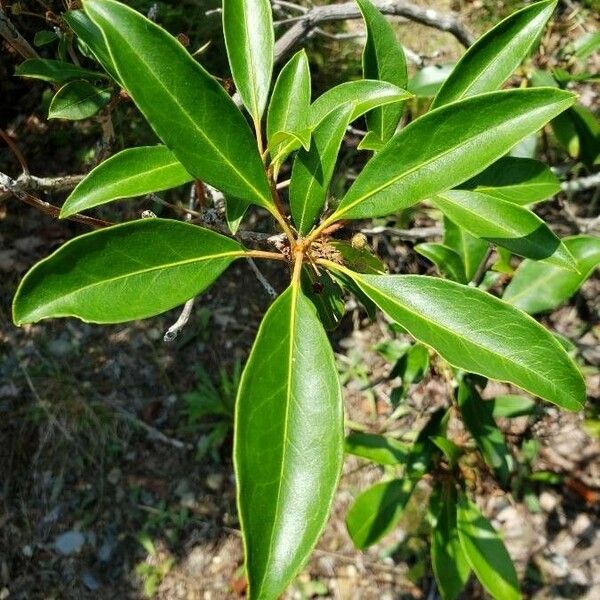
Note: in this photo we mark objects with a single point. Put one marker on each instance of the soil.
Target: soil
(104, 491)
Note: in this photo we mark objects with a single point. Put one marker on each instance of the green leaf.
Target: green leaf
(477, 416)
(313, 169)
(469, 136)
(365, 94)
(235, 210)
(188, 109)
(501, 343)
(129, 173)
(448, 560)
(130, 271)
(587, 44)
(288, 442)
(380, 449)
(472, 250)
(518, 180)
(44, 37)
(506, 224)
(91, 36)
(326, 295)
(77, 100)
(383, 59)
(290, 105)
(451, 451)
(447, 261)
(412, 366)
(587, 127)
(250, 42)
(510, 406)
(537, 287)
(426, 82)
(359, 258)
(377, 510)
(485, 552)
(491, 60)
(55, 71)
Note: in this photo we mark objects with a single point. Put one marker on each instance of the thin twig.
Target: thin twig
(16, 151)
(482, 268)
(306, 23)
(11, 186)
(410, 235)
(262, 279)
(173, 331)
(9, 32)
(152, 432)
(580, 184)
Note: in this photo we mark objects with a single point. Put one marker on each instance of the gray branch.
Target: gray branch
(583, 183)
(9, 32)
(305, 24)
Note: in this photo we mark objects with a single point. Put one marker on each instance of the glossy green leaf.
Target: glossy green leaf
(448, 559)
(235, 209)
(55, 71)
(500, 343)
(427, 82)
(129, 173)
(365, 94)
(485, 552)
(44, 37)
(447, 261)
(359, 258)
(377, 511)
(510, 406)
(471, 250)
(130, 271)
(492, 59)
(469, 136)
(518, 180)
(587, 126)
(188, 109)
(288, 115)
(78, 100)
(91, 36)
(537, 287)
(250, 42)
(288, 443)
(327, 296)
(380, 449)
(506, 224)
(313, 169)
(383, 59)
(478, 419)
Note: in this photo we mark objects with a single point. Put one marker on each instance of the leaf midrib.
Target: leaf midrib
(233, 253)
(505, 51)
(449, 331)
(184, 112)
(505, 124)
(124, 180)
(288, 400)
(513, 233)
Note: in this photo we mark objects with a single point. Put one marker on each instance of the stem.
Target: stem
(326, 224)
(264, 254)
(482, 268)
(259, 139)
(298, 258)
